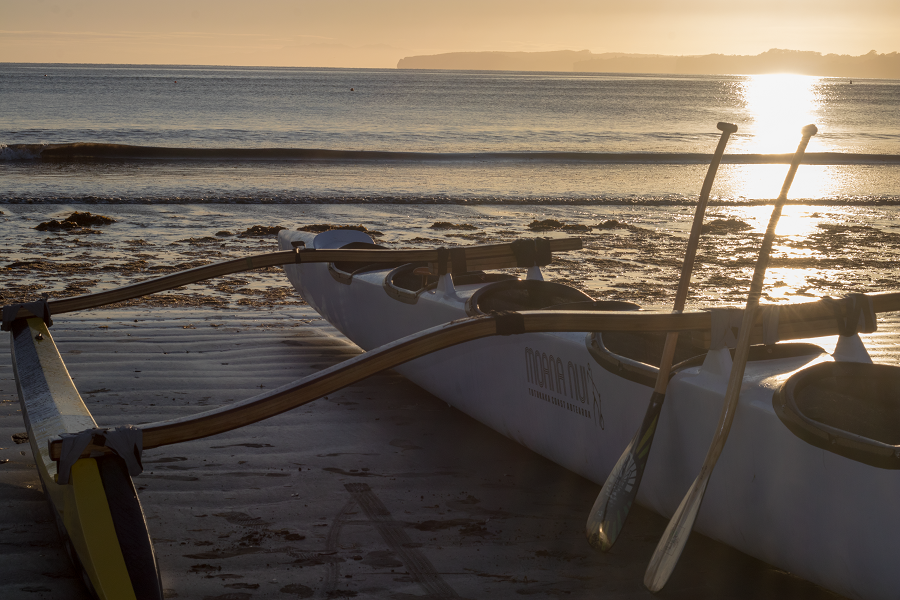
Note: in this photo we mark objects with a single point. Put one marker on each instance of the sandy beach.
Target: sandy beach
(380, 490)
(377, 491)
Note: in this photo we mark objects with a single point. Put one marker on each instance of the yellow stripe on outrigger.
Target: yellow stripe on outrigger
(52, 406)
(89, 522)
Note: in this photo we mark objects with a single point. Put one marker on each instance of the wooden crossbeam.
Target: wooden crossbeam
(482, 257)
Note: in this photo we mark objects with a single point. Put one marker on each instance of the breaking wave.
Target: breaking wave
(600, 200)
(99, 152)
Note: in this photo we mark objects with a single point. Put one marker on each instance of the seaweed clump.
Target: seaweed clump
(448, 225)
(723, 226)
(77, 220)
(548, 224)
(261, 231)
(614, 224)
(320, 227)
(545, 224)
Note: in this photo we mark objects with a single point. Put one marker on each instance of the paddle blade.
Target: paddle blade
(668, 551)
(614, 502)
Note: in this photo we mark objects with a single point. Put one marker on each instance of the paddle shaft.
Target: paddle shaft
(613, 503)
(690, 254)
(668, 551)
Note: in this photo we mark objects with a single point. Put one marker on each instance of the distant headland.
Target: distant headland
(871, 65)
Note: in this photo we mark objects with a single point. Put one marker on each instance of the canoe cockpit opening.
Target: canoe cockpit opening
(407, 282)
(527, 294)
(850, 409)
(345, 270)
(635, 355)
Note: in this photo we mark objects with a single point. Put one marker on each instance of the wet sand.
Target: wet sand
(377, 491)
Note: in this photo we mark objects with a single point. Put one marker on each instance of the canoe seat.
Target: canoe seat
(635, 355)
(404, 284)
(524, 294)
(851, 409)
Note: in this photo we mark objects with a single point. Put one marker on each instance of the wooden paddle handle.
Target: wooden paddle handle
(690, 254)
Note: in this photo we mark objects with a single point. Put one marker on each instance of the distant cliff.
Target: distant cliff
(871, 65)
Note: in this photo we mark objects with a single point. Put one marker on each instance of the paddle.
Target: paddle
(621, 487)
(667, 552)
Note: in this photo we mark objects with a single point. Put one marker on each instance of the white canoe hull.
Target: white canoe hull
(821, 516)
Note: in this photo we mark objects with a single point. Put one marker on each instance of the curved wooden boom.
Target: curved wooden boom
(821, 316)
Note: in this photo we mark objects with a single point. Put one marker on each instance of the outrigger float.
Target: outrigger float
(807, 482)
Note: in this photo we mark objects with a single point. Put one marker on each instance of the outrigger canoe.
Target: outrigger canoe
(809, 479)
(806, 483)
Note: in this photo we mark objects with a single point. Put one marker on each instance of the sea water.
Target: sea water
(178, 155)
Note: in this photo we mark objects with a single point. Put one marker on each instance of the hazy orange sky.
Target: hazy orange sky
(360, 33)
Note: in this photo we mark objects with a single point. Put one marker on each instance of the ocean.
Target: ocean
(186, 159)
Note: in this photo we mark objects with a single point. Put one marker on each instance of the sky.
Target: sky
(377, 33)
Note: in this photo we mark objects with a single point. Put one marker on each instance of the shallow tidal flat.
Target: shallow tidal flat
(630, 253)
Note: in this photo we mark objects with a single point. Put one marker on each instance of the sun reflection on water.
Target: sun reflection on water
(763, 182)
(796, 222)
(779, 105)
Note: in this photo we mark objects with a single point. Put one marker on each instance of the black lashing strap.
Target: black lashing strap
(532, 252)
(524, 251)
(458, 260)
(38, 308)
(542, 252)
(299, 252)
(508, 322)
(443, 257)
(860, 315)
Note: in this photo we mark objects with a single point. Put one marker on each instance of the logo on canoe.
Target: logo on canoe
(567, 385)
